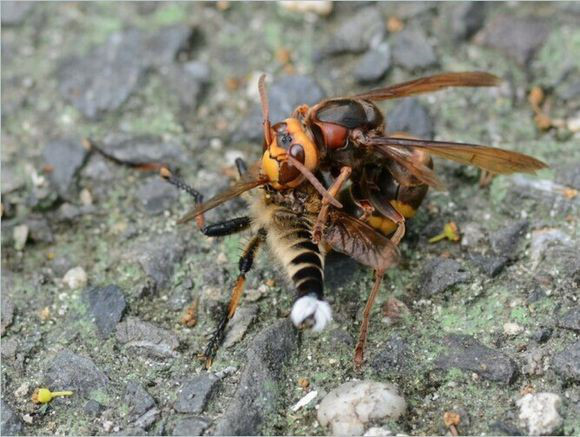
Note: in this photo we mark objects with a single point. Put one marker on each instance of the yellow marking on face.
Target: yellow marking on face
(300, 137)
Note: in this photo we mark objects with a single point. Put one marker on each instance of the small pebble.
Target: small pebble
(86, 197)
(511, 328)
(75, 278)
(304, 401)
(322, 8)
(349, 407)
(20, 234)
(539, 413)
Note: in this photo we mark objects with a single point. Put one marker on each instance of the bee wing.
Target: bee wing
(431, 83)
(358, 240)
(488, 158)
(232, 192)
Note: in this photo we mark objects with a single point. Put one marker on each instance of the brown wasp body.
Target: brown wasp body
(382, 178)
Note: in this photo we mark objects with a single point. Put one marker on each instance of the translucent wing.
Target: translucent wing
(358, 240)
(431, 83)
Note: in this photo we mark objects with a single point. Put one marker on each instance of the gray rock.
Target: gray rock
(570, 320)
(11, 179)
(285, 94)
(120, 69)
(239, 324)
(466, 19)
(505, 241)
(144, 337)
(143, 149)
(6, 311)
(194, 394)
(439, 274)
(39, 230)
(188, 82)
(357, 33)
(412, 117)
(156, 195)
(567, 362)
(65, 156)
(147, 419)
(393, 356)
(158, 257)
(412, 51)
(259, 390)
(11, 423)
(504, 428)
(187, 426)
(138, 400)
(490, 265)
(14, 13)
(519, 37)
(69, 371)
(92, 408)
(121, 62)
(107, 305)
(374, 64)
(466, 353)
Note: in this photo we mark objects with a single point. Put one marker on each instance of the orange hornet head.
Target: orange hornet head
(289, 138)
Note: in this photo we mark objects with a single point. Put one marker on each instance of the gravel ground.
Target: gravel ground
(96, 275)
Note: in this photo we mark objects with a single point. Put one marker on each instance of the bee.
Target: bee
(383, 176)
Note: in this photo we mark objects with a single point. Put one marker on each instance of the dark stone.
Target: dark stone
(187, 426)
(146, 338)
(144, 149)
(439, 274)
(356, 34)
(120, 68)
(92, 408)
(138, 400)
(285, 94)
(11, 423)
(570, 320)
(259, 390)
(339, 338)
(147, 419)
(107, 305)
(393, 356)
(490, 265)
(542, 335)
(69, 371)
(39, 230)
(519, 37)
(504, 428)
(14, 13)
(6, 311)
(412, 117)
(156, 195)
(466, 353)
(121, 62)
(412, 51)
(195, 393)
(65, 156)
(466, 19)
(505, 241)
(569, 91)
(374, 64)
(158, 257)
(567, 362)
(188, 82)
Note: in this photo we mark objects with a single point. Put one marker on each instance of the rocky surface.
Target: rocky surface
(489, 319)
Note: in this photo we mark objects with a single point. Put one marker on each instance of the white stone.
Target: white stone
(511, 328)
(350, 406)
(539, 413)
(318, 7)
(20, 235)
(75, 278)
(377, 431)
(304, 401)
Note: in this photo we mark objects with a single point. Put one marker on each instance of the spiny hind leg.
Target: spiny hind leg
(364, 327)
(245, 264)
